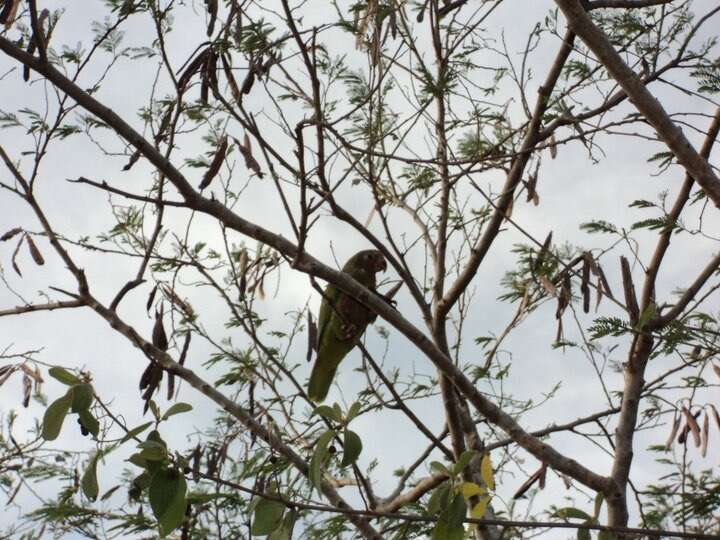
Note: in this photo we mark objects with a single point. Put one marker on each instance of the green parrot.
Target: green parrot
(342, 321)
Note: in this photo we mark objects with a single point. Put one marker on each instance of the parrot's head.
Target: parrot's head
(370, 261)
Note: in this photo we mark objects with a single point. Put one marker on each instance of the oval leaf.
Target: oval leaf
(89, 422)
(55, 416)
(63, 375)
(89, 482)
(82, 397)
(318, 458)
(328, 412)
(135, 432)
(167, 499)
(177, 408)
(267, 517)
(353, 447)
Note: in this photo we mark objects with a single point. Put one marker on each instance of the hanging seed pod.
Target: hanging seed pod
(542, 254)
(15, 253)
(194, 66)
(27, 390)
(34, 251)
(232, 83)
(212, 7)
(159, 337)
(186, 346)
(673, 431)
(184, 306)
(248, 82)
(629, 289)
(12, 232)
(585, 285)
(704, 435)
(246, 150)
(151, 298)
(217, 162)
(692, 425)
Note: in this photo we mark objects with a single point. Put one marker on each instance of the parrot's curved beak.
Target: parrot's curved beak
(381, 265)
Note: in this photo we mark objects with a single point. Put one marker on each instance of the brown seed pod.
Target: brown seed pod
(246, 150)
(159, 337)
(692, 425)
(673, 432)
(34, 251)
(12, 232)
(232, 83)
(217, 162)
(704, 435)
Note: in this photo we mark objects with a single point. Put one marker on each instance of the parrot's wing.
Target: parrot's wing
(330, 298)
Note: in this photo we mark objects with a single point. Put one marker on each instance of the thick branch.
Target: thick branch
(646, 103)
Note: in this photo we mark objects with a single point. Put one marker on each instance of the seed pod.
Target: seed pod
(232, 83)
(692, 425)
(217, 162)
(246, 150)
(212, 7)
(629, 288)
(159, 337)
(27, 390)
(192, 69)
(248, 82)
(705, 433)
(186, 346)
(15, 253)
(12, 232)
(34, 251)
(673, 431)
(584, 284)
(151, 297)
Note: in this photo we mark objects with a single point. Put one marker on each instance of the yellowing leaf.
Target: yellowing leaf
(478, 510)
(486, 471)
(470, 489)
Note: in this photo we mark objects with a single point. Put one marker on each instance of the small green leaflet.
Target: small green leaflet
(267, 516)
(167, 499)
(352, 448)
(55, 416)
(89, 482)
(316, 462)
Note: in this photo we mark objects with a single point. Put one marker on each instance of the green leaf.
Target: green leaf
(572, 513)
(599, 498)
(284, 531)
(318, 458)
(152, 451)
(63, 375)
(353, 411)
(177, 408)
(82, 397)
(267, 517)
(450, 525)
(135, 432)
(89, 482)
(463, 461)
(328, 412)
(89, 422)
(55, 416)
(439, 468)
(352, 448)
(167, 499)
(439, 499)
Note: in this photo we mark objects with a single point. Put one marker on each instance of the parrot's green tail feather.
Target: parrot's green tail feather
(320, 380)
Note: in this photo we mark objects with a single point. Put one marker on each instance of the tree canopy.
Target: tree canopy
(183, 181)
